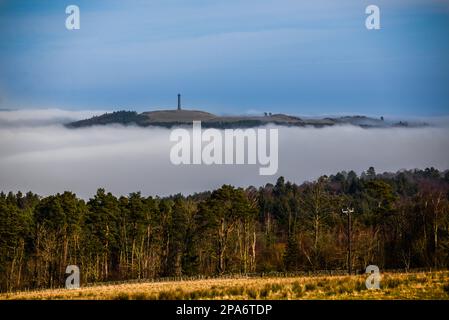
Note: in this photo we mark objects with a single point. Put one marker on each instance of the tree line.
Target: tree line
(400, 220)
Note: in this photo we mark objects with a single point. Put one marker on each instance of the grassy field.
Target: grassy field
(425, 285)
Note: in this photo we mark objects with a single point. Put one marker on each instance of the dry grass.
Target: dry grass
(425, 285)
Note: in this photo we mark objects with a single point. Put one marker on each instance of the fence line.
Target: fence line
(287, 274)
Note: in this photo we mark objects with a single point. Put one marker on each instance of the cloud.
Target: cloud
(49, 158)
(43, 117)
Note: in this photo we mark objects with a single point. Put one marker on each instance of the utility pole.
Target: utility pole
(348, 212)
(179, 101)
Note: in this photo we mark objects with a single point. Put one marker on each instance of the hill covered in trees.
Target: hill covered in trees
(171, 118)
(400, 220)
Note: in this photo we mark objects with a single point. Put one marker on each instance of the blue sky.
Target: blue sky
(233, 56)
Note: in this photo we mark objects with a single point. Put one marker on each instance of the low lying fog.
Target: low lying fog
(38, 153)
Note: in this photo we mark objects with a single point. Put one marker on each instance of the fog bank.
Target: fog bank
(37, 153)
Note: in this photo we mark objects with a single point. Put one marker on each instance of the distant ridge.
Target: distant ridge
(172, 118)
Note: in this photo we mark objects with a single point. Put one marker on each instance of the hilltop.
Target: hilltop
(171, 118)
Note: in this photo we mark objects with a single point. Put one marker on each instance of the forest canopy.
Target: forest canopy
(400, 221)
